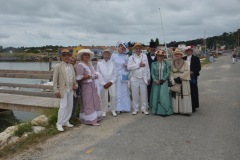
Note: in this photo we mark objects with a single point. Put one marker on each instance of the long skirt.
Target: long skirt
(182, 104)
(160, 103)
(90, 111)
(122, 96)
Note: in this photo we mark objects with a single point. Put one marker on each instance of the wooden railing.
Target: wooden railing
(27, 74)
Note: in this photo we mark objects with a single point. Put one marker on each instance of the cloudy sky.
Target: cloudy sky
(104, 22)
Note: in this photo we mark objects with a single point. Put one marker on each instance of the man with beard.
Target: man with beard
(151, 58)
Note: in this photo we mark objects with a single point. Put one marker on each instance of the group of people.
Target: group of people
(141, 82)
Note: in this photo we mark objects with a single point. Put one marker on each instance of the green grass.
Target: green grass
(22, 128)
(52, 115)
(206, 61)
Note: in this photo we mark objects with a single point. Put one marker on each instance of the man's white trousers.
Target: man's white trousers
(65, 110)
(104, 98)
(138, 86)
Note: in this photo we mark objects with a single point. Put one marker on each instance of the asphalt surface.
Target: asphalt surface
(212, 133)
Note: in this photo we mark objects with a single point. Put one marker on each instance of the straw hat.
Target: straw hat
(65, 51)
(137, 45)
(178, 51)
(124, 44)
(82, 51)
(106, 50)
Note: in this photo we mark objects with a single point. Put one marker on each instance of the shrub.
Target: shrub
(26, 127)
(52, 115)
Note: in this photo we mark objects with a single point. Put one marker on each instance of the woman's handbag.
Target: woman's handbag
(176, 88)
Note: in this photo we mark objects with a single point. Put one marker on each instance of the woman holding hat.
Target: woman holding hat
(160, 103)
(180, 75)
(120, 60)
(90, 112)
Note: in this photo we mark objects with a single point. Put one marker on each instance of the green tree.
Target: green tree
(1, 49)
(130, 44)
(157, 42)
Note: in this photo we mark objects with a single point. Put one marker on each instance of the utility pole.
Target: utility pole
(163, 33)
(205, 43)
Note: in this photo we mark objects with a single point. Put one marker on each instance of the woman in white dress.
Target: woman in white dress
(180, 74)
(120, 60)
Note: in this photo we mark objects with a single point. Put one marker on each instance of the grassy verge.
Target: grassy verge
(34, 138)
(26, 127)
(205, 61)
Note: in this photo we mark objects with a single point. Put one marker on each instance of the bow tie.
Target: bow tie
(152, 54)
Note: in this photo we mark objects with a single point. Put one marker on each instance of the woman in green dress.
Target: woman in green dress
(159, 99)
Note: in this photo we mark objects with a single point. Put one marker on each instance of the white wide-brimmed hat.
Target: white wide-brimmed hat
(178, 51)
(82, 51)
(124, 44)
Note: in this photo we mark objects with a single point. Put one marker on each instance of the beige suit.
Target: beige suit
(60, 77)
(66, 92)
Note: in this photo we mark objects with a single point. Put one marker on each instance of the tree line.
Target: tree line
(229, 40)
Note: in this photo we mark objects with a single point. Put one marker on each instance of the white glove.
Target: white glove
(94, 76)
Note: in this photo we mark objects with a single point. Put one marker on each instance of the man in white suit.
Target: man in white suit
(64, 85)
(139, 78)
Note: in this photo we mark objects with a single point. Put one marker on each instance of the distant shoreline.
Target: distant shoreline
(27, 59)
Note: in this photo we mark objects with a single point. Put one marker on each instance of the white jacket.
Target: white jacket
(133, 67)
(107, 71)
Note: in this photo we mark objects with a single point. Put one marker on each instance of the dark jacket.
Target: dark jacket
(150, 60)
(195, 66)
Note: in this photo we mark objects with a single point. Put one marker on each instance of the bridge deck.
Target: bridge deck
(27, 103)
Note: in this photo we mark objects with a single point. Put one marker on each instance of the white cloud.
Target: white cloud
(103, 22)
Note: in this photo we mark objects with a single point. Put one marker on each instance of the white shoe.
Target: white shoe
(60, 128)
(68, 125)
(114, 114)
(134, 112)
(145, 112)
(104, 114)
(95, 124)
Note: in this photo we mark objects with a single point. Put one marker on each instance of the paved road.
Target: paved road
(212, 133)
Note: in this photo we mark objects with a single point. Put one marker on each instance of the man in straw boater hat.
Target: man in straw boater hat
(107, 69)
(194, 66)
(139, 78)
(64, 85)
(151, 58)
